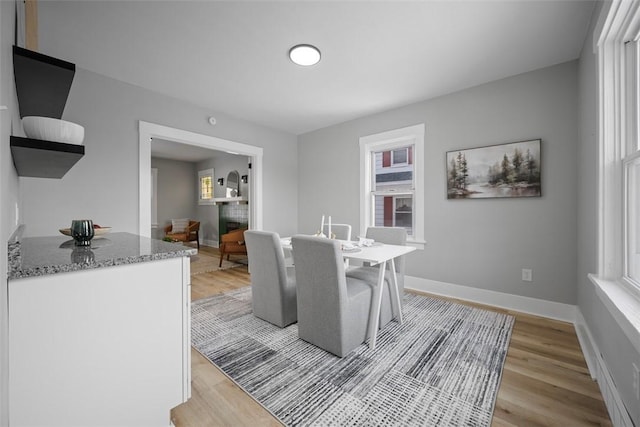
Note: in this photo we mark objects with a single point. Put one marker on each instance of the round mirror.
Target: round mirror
(233, 184)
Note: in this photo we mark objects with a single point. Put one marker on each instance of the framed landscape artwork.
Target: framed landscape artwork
(504, 170)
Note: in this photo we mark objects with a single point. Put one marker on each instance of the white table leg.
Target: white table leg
(374, 313)
(396, 303)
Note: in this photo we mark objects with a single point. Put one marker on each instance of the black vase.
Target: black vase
(82, 231)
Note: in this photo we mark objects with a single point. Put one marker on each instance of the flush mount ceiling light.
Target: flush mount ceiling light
(305, 55)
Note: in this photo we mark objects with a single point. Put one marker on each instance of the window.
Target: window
(618, 278)
(393, 188)
(631, 167)
(392, 181)
(205, 187)
(400, 156)
(620, 154)
(632, 221)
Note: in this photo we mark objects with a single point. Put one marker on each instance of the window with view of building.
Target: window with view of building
(391, 181)
(394, 188)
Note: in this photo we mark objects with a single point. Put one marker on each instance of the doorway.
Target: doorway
(148, 131)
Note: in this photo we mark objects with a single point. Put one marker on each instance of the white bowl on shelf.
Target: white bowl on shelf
(55, 130)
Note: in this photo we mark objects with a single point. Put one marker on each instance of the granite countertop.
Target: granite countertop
(41, 256)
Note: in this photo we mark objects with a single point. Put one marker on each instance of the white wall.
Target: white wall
(177, 191)
(103, 185)
(8, 181)
(477, 243)
(616, 350)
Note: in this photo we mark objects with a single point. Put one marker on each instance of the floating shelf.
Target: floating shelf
(42, 83)
(44, 159)
(42, 88)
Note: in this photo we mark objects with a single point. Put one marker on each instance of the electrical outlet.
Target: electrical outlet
(636, 381)
(527, 275)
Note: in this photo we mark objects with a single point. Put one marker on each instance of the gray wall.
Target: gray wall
(478, 243)
(103, 185)
(616, 349)
(222, 164)
(177, 191)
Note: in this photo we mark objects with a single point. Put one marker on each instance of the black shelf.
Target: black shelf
(42, 87)
(44, 159)
(42, 83)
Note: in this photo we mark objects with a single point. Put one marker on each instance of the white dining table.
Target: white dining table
(384, 255)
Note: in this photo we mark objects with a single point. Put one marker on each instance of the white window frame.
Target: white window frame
(397, 138)
(201, 174)
(618, 123)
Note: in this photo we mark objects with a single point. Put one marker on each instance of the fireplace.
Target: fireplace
(231, 217)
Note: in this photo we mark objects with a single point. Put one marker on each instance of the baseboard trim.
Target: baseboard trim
(210, 243)
(600, 373)
(587, 344)
(535, 306)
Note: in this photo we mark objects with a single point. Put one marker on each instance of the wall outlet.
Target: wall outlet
(527, 275)
(636, 381)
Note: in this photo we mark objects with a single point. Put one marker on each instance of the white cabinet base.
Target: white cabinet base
(102, 347)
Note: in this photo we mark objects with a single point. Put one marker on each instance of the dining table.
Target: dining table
(374, 253)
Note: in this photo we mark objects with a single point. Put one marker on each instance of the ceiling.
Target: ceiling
(231, 57)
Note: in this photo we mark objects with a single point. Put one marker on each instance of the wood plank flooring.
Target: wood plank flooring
(545, 379)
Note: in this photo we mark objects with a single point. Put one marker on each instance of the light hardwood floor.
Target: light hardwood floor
(545, 380)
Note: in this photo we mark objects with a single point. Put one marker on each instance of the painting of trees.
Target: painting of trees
(458, 172)
(505, 170)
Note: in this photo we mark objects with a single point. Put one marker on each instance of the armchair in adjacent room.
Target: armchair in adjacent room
(232, 243)
(183, 230)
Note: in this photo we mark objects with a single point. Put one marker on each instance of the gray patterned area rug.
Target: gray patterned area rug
(441, 367)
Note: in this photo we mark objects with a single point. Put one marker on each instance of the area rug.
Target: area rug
(441, 367)
(205, 263)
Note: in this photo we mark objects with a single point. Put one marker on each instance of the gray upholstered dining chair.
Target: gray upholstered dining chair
(273, 285)
(333, 309)
(390, 236)
(342, 231)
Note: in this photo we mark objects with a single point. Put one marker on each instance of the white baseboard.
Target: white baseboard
(535, 306)
(600, 373)
(210, 243)
(587, 344)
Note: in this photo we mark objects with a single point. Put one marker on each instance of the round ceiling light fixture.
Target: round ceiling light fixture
(305, 55)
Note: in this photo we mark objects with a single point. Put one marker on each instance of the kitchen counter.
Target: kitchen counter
(115, 329)
(41, 256)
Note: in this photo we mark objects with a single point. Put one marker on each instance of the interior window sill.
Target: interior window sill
(623, 303)
(418, 244)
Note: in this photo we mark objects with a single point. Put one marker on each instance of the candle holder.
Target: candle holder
(82, 231)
